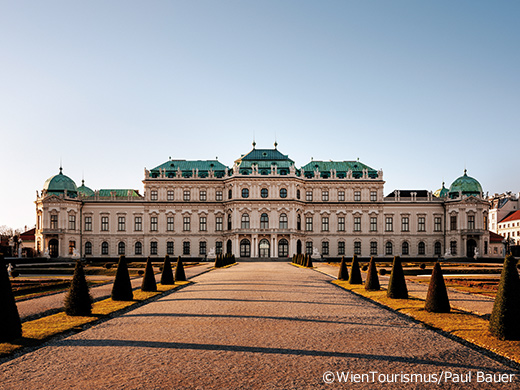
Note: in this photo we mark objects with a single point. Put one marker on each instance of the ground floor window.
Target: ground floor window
(308, 247)
(121, 248)
(437, 248)
(88, 248)
(357, 247)
(283, 248)
(186, 248)
(389, 248)
(169, 248)
(453, 247)
(153, 247)
(325, 248)
(202, 247)
(421, 248)
(72, 246)
(373, 248)
(138, 248)
(218, 247)
(405, 249)
(104, 248)
(341, 248)
(245, 248)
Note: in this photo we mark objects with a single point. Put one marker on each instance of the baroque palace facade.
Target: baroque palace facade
(261, 207)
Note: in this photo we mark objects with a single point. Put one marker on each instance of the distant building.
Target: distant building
(502, 205)
(263, 206)
(509, 228)
(27, 243)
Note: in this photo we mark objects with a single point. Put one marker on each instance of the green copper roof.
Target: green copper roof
(187, 167)
(264, 159)
(84, 190)
(60, 183)
(120, 193)
(465, 184)
(441, 192)
(341, 168)
(264, 155)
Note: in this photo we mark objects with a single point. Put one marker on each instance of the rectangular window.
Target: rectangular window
(308, 196)
(325, 248)
(471, 222)
(54, 221)
(186, 248)
(357, 196)
(202, 224)
(202, 196)
(325, 224)
(421, 224)
(357, 224)
(453, 222)
(341, 224)
(373, 224)
(453, 247)
(186, 224)
(170, 224)
(153, 224)
(202, 248)
(308, 247)
(170, 195)
(72, 222)
(341, 248)
(308, 224)
(154, 195)
(88, 224)
(138, 224)
(438, 224)
(219, 224)
(218, 247)
(373, 196)
(389, 224)
(325, 196)
(405, 224)
(72, 246)
(218, 195)
(153, 247)
(357, 247)
(186, 196)
(104, 224)
(121, 224)
(341, 196)
(373, 248)
(169, 248)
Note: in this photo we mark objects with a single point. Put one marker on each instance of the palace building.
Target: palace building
(263, 206)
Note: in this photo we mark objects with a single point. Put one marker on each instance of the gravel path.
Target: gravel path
(474, 303)
(252, 326)
(35, 307)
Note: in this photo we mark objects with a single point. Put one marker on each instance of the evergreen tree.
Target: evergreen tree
(397, 283)
(355, 272)
(78, 301)
(309, 262)
(343, 270)
(505, 317)
(180, 276)
(372, 282)
(149, 283)
(167, 273)
(437, 300)
(10, 324)
(122, 288)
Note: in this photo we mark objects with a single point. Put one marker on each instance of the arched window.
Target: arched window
(121, 248)
(264, 221)
(230, 194)
(264, 192)
(283, 193)
(245, 248)
(389, 248)
(405, 248)
(299, 222)
(283, 248)
(88, 248)
(421, 248)
(245, 221)
(283, 221)
(245, 193)
(138, 248)
(229, 222)
(297, 194)
(104, 248)
(438, 248)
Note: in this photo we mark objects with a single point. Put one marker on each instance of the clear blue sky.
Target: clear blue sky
(420, 89)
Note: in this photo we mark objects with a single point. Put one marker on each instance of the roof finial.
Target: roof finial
(61, 167)
(465, 170)
(254, 144)
(275, 144)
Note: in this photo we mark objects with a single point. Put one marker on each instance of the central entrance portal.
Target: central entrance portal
(264, 248)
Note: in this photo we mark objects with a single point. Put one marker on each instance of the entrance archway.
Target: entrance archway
(264, 247)
(245, 248)
(283, 248)
(53, 248)
(470, 248)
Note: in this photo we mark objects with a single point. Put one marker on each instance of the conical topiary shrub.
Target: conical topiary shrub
(180, 275)
(372, 282)
(309, 262)
(505, 317)
(355, 272)
(167, 273)
(149, 283)
(78, 301)
(343, 270)
(397, 284)
(10, 324)
(122, 288)
(437, 300)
